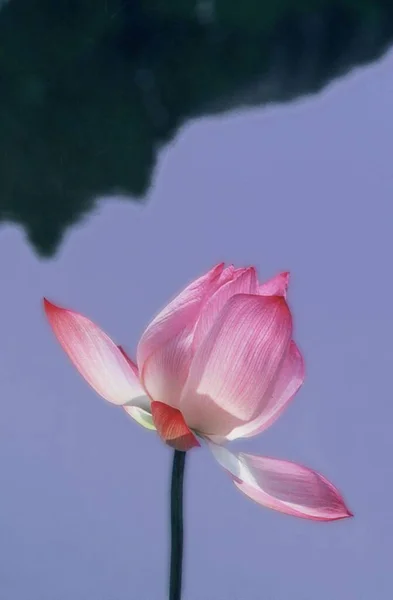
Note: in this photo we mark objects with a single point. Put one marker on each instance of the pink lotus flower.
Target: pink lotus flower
(217, 364)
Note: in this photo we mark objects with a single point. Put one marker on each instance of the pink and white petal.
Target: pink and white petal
(244, 281)
(181, 313)
(166, 370)
(290, 379)
(164, 351)
(277, 286)
(283, 486)
(96, 356)
(237, 364)
(227, 274)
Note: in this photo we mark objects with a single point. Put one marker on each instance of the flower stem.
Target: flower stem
(176, 568)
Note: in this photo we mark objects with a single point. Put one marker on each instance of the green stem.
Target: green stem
(176, 569)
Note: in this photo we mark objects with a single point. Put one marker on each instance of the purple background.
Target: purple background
(84, 490)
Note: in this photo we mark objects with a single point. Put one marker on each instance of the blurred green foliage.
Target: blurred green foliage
(90, 89)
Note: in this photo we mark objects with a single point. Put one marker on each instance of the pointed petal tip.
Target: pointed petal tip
(218, 268)
(277, 285)
(349, 514)
(251, 269)
(50, 308)
(286, 275)
(46, 303)
(346, 514)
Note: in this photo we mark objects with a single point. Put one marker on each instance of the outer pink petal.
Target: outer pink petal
(96, 357)
(166, 370)
(288, 383)
(227, 274)
(237, 364)
(244, 281)
(277, 286)
(284, 486)
(164, 351)
(177, 315)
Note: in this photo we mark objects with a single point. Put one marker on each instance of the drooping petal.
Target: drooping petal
(172, 427)
(237, 364)
(244, 281)
(164, 351)
(290, 378)
(277, 286)
(284, 486)
(96, 357)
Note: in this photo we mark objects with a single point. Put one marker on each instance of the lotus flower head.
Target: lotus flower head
(216, 364)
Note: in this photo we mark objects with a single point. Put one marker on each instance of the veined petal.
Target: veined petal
(166, 370)
(244, 281)
(227, 274)
(277, 286)
(164, 351)
(290, 378)
(96, 357)
(237, 364)
(282, 485)
(177, 315)
(172, 427)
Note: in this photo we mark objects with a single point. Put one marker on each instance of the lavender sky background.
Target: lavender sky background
(84, 490)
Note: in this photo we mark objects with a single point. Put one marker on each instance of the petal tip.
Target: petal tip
(286, 275)
(348, 513)
(49, 308)
(46, 303)
(218, 269)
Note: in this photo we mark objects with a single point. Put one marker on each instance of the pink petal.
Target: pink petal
(172, 427)
(177, 315)
(284, 486)
(237, 364)
(164, 351)
(96, 357)
(227, 274)
(244, 281)
(277, 286)
(290, 378)
(166, 370)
